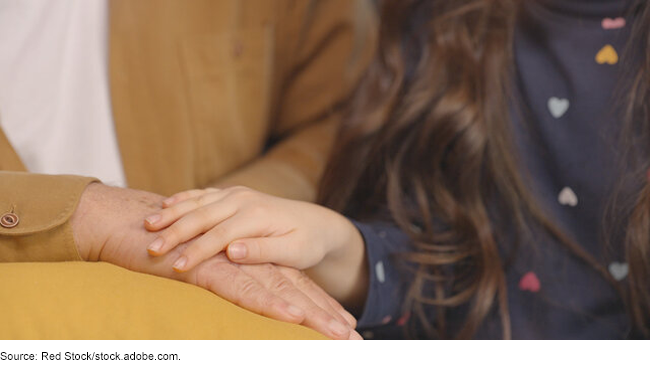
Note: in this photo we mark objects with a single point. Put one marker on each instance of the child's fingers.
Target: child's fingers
(260, 250)
(170, 215)
(189, 226)
(185, 195)
(213, 241)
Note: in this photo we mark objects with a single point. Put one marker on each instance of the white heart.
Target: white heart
(568, 197)
(619, 270)
(379, 270)
(558, 106)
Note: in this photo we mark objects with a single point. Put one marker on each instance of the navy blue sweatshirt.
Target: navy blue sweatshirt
(567, 54)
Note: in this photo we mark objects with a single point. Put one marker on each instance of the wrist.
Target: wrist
(343, 272)
(85, 235)
(346, 240)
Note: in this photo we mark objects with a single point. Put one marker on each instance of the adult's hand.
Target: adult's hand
(108, 226)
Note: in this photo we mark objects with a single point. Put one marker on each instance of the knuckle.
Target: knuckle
(198, 250)
(282, 286)
(257, 210)
(193, 252)
(303, 281)
(289, 272)
(176, 211)
(186, 194)
(215, 232)
(203, 199)
(243, 192)
(320, 315)
(218, 277)
(202, 250)
(181, 195)
(170, 234)
(202, 275)
(234, 189)
(247, 290)
(167, 216)
(251, 295)
(203, 215)
(196, 201)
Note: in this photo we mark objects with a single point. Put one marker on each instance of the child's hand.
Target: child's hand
(257, 228)
(254, 227)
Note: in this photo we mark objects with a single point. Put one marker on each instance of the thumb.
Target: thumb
(276, 250)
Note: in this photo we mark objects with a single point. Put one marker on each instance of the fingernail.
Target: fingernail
(237, 251)
(155, 245)
(337, 328)
(153, 219)
(295, 311)
(179, 265)
(168, 201)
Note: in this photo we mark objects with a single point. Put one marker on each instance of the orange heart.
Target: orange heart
(607, 55)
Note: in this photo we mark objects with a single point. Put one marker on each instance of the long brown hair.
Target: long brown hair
(428, 136)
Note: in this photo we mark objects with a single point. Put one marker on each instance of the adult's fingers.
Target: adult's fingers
(354, 335)
(278, 250)
(233, 284)
(318, 314)
(314, 288)
(316, 293)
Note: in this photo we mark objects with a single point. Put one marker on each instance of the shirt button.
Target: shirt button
(9, 220)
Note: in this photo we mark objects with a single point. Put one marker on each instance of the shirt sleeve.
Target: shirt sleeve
(387, 289)
(329, 45)
(35, 212)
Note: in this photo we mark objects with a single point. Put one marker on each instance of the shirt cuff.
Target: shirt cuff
(386, 290)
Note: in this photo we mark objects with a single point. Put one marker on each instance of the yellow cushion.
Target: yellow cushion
(79, 300)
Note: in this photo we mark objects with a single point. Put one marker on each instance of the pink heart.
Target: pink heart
(530, 282)
(402, 321)
(609, 23)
